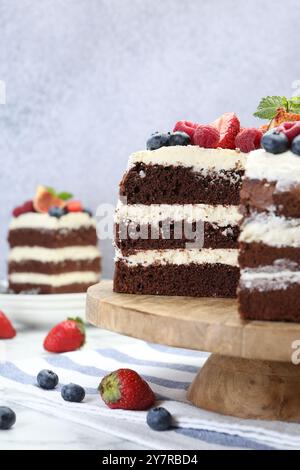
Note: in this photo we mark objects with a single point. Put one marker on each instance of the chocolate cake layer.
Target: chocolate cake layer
(214, 237)
(277, 305)
(47, 289)
(261, 195)
(52, 238)
(54, 268)
(196, 280)
(157, 184)
(253, 255)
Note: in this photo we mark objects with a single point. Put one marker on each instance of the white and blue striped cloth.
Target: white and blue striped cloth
(169, 371)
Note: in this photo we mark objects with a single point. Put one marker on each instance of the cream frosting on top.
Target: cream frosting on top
(198, 158)
(33, 220)
(283, 168)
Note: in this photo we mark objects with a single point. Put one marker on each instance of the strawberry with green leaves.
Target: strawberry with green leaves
(68, 335)
(125, 389)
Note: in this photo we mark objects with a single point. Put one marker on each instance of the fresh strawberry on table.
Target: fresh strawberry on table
(68, 335)
(7, 330)
(125, 389)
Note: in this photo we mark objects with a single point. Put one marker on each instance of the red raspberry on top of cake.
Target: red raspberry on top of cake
(53, 247)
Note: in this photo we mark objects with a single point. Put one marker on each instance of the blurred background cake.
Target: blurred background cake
(53, 245)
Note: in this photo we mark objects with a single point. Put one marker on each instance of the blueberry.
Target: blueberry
(179, 138)
(275, 142)
(88, 211)
(47, 379)
(159, 419)
(158, 140)
(56, 211)
(73, 392)
(296, 145)
(7, 417)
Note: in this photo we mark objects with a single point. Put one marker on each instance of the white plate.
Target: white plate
(41, 309)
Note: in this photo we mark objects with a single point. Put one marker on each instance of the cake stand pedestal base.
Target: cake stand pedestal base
(248, 388)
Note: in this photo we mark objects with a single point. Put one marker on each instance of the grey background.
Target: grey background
(89, 80)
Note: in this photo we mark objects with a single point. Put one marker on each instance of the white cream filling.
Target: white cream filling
(142, 214)
(55, 280)
(283, 168)
(271, 230)
(180, 256)
(263, 280)
(53, 255)
(33, 220)
(191, 156)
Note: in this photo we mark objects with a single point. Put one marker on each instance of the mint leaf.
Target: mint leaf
(51, 190)
(268, 106)
(64, 195)
(294, 104)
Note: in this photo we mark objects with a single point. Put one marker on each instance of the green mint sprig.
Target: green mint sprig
(268, 106)
(63, 195)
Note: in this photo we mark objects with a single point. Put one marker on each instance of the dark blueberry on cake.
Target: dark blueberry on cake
(56, 212)
(158, 140)
(275, 142)
(296, 145)
(179, 138)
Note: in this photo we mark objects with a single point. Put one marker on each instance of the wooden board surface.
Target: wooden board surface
(204, 324)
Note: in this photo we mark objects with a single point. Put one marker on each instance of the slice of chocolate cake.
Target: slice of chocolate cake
(270, 238)
(53, 246)
(177, 221)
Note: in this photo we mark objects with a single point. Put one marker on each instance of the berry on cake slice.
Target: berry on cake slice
(188, 127)
(74, 206)
(23, 209)
(7, 330)
(275, 142)
(179, 138)
(206, 136)
(68, 335)
(228, 126)
(125, 389)
(248, 139)
(296, 145)
(290, 129)
(158, 140)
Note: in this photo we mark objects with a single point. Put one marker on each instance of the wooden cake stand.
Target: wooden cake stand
(250, 374)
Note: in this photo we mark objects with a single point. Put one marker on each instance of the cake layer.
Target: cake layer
(44, 267)
(282, 304)
(70, 221)
(262, 195)
(82, 236)
(172, 236)
(197, 280)
(53, 255)
(48, 289)
(258, 254)
(158, 184)
(222, 215)
(269, 278)
(54, 280)
(180, 257)
(191, 156)
(271, 230)
(283, 168)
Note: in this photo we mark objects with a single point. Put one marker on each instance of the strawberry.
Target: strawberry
(229, 126)
(248, 139)
(125, 389)
(7, 331)
(23, 209)
(206, 136)
(68, 335)
(186, 126)
(74, 206)
(290, 129)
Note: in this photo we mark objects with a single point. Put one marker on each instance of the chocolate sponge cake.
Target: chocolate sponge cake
(177, 220)
(270, 237)
(53, 247)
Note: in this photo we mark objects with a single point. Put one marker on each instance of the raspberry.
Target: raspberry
(74, 206)
(23, 209)
(206, 136)
(229, 126)
(248, 139)
(290, 129)
(188, 127)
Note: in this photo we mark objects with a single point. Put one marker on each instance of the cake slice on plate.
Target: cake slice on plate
(177, 221)
(53, 246)
(270, 237)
